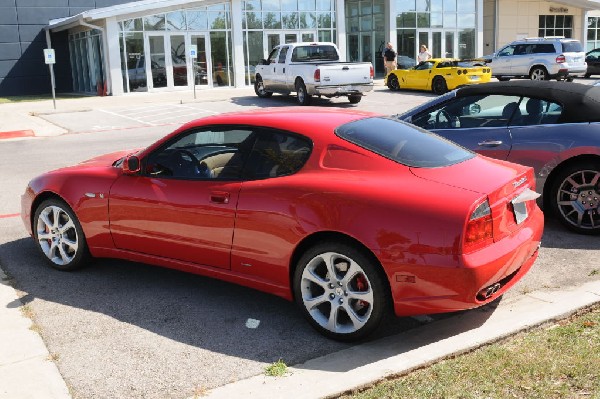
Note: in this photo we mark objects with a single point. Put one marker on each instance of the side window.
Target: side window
(546, 48)
(470, 112)
(273, 56)
(282, 55)
(277, 154)
(521, 49)
(535, 111)
(506, 51)
(217, 153)
(424, 65)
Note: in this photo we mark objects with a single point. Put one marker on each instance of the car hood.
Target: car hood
(108, 159)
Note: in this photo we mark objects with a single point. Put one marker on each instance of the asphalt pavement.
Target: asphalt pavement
(549, 294)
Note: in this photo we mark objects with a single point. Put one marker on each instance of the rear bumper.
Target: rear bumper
(341, 90)
(428, 289)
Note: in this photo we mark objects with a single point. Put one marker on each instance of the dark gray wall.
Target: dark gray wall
(22, 40)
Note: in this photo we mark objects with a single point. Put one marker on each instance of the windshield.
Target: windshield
(403, 143)
(315, 52)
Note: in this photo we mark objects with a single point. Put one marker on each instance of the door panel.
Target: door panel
(202, 62)
(179, 60)
(157, 64)
(185, 220)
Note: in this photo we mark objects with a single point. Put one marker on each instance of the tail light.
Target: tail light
(372, 72)
(560, 59)
(479, 231)
(317, 75)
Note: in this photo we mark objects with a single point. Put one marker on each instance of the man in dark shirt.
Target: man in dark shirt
(389, 58)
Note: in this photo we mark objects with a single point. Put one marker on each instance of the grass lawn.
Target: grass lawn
(561, 360)
(17, 99)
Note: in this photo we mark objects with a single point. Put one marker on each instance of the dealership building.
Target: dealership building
(115, 47)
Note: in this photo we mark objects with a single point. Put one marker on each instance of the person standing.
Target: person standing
(389, 58)
(424, 54)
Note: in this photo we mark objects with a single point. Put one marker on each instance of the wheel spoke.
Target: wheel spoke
(313, 278)
(45, 220)
(565, 203)
(573, 182)
(66, 226)
(56, 215)
(51, 250)
(71, 244)
(356, 320)
(44, 235)
(366, 296)
(328, 259)
(332, 321)
(63, 254)
(353, 270)
(312, 303)
(580, 218)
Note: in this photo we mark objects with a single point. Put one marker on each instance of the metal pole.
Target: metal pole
(52, 82)
(194, 77)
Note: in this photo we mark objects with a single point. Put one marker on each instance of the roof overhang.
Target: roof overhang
(585, 5)
(121, 10)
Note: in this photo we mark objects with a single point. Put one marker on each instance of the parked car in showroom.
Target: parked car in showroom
(539, 58)
(348, 213)
(551, 126)
(438, 75)
(592, 59)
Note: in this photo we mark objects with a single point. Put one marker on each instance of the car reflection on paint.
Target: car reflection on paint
(348, 213)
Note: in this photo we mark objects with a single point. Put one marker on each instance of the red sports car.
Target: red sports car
(348, 213)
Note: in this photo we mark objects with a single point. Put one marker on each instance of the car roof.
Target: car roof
(581, 103)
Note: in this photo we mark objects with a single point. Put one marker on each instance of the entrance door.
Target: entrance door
(201, 65)
(275, 38)
(433, 41)
(179, 64)
(361, 47)
(156, 68)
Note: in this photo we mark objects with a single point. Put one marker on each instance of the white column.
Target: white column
(237, 36)
(113, 55)
(479, 28)
(392, 30)
(340, 21)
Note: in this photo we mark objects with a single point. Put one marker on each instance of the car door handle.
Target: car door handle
(219, 197)
(490, 143)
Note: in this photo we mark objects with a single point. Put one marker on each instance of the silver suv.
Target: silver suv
(539, 58)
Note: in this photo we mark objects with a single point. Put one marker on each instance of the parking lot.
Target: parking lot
(122, 329)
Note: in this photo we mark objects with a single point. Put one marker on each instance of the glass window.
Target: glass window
(324, 20)
(217, 20)
(252, 5)
(277, 154)
(423, 20)
(272, 20)
(466, 43)
(308, 20)
(289, 5)
(254, 41)
(132, 25)
(405, 5)
(403, 143)
(271, 5)
(407, 20)
(325, 36)
(366, 23)
(283, 54)
(176, 20)
(206, 154)
(466, 6)
(466, 20)
(197, 20)
(306, 5)
(154, 22)
(253, 20)
(136, 65)
(535, 111)
(450, 5)
(289, 20)
(556, 25)
(324, 5)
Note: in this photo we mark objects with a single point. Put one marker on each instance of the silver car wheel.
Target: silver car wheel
(337, 293)
(57, 235)
(538, 74)
(578, 199)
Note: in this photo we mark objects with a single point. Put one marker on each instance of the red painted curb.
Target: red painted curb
(16, 133)
(12, 215)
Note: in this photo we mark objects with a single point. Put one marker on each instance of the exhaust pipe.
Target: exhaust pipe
(489, 291)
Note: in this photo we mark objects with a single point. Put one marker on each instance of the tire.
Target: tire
(303, 96)
(392, 83)
(587, 75)
(259, 88)
(502, 79)
(348, 306)
(438, 86)
(569, 79)
(575, 197)
(59, 235)
(538, 73)
(354, 99)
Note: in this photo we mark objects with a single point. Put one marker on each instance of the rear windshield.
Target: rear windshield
(315, 53)
(403, 143)
(571, 47)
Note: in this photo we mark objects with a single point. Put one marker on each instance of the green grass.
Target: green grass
(557, 361)
(277, 369)
(44, 97)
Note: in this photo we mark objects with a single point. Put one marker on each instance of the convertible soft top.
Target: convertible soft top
(581, 103)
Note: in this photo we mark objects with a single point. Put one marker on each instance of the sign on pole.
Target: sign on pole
(193, 56)
(50, 59)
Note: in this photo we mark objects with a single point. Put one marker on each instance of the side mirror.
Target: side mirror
(474, 109)
(131, 165)
(263, 62)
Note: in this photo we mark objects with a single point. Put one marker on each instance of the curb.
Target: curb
(364, 365)
(16, 134)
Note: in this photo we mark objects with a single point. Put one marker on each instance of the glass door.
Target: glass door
(179, 67)
(156, 68)
(449, 44)
(275, 38)
(433, 41)
(272, 39)
(201, 65)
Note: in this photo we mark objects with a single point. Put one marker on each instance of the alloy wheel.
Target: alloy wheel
(578, 200)
(56, 235)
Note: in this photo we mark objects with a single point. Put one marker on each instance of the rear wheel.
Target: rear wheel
(575, 197)
(303, 96)
(538, 73)
(354, 99)
(438, 86)
(59, 235)
(259, 88)
(340, 290)
(392, 83)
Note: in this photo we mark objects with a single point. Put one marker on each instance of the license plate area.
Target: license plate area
(519, 210)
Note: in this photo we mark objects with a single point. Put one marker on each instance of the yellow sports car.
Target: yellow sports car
(439, 75)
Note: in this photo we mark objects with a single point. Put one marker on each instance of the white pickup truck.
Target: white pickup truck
(312, 69)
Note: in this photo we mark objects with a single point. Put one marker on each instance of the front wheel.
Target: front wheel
(392, 83)
(303, 96)
(438, 86)
(259, 88)
(340, 291)
(538, 73)
(59, 235)
(354, 99)
(575, 197)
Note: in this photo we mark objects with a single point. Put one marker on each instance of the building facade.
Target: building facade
(117, 47)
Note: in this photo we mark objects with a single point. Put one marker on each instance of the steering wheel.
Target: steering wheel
(183, 163)
(442, 124)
